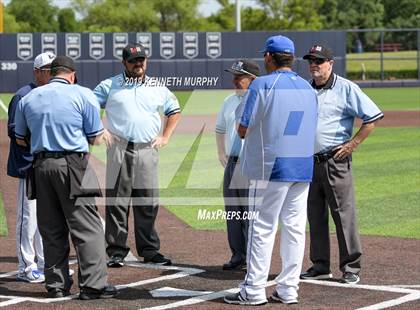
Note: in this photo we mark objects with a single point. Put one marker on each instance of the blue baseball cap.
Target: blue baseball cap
(279, 44)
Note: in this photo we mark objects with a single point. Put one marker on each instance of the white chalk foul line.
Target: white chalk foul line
(3, 106)
(183, 272)
(411, 295)
(200, 299)
(13, 273)
(393, 302)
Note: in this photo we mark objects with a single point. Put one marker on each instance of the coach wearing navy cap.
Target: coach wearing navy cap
(63, 119)
(278, 123)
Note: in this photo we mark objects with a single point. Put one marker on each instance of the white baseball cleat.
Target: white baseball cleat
(31, 276)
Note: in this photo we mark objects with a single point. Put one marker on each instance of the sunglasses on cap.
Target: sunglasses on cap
(134, 60)
(317, 61)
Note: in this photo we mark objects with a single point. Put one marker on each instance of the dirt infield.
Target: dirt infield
(390, 275)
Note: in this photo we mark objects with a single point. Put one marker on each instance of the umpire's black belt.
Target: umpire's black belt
(42, 155)
(234, 159)
(321, 157)
(131, 144)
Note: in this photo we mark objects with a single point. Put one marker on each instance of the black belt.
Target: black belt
(42, 155)
(321, 157)
(131, 144)
(134, 145)
(234, 158)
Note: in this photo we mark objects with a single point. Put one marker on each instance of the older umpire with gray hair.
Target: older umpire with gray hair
(229, 147)
(340, 102)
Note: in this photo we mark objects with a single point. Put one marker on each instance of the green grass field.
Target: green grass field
(3, 221)
(203, 102)
(387, 180)
(407, 60)
(386, 169)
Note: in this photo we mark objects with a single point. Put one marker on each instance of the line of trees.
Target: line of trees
(183, 15)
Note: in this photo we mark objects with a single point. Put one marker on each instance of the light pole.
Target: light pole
(238, 15)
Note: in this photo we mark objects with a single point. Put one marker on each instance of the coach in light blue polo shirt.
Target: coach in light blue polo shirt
(340, 103)
(133, 110)
(278, 124)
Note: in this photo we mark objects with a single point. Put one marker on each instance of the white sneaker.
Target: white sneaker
(31, 276)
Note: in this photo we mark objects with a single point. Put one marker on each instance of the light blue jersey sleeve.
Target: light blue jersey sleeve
(21, 127)
(92, 124)
(361, 106)
(101, 92)
(171, 105)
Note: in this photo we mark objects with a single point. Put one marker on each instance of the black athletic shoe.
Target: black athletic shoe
(115, 262)
(158, 259)
(234, 265)
(108, 291)
(312, 274)
(275, 296)
(350, 278)
(57, 293)
(237, 299)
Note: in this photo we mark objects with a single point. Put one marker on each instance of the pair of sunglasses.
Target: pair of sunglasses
(134, 60)
(317, 61)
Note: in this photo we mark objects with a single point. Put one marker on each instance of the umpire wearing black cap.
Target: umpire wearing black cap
(133, 109)
(229, 146)
(63, 119)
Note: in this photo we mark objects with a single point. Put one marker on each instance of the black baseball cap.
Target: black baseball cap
(133, 51)
(64, 62)
(319, 51)
(244, 66)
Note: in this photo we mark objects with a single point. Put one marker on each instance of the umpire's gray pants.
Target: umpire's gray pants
(332, 186)
(132, 178)
(58, 215)
(235, 192)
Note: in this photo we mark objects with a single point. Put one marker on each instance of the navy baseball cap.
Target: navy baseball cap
(279, 44)
(133, 51)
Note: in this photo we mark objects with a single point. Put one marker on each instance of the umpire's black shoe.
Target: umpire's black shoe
(234, 265)
(350, 278)
(158, 259)
(116, 262)
(57, 293)
(312, 274)
(108, 291)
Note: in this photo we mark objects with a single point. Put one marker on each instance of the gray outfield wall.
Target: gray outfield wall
(173, 54)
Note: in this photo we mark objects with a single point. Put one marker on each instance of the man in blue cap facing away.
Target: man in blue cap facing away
(278, 123)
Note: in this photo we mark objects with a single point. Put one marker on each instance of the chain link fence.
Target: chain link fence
(383, 55)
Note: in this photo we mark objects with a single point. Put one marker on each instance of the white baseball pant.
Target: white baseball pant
(274, 201)
(28, 239)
